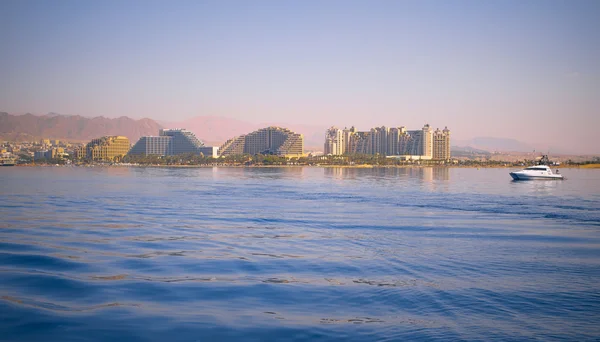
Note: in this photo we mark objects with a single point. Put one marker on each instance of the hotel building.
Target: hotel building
(441, 144)
(172, 142)
(109, 148)
(334, 142)
(271, 140)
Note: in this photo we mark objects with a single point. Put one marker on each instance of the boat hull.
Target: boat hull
(521, 176)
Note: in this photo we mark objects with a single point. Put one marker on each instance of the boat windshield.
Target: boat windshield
(536, 168)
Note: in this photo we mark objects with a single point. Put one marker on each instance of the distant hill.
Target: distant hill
(29, 127)
(496, 144)
(467, 151)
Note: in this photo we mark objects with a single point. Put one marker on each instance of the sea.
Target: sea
(298, 254)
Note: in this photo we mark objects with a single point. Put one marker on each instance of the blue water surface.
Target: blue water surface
(297, 254)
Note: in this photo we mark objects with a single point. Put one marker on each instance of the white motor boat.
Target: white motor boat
(536, 172)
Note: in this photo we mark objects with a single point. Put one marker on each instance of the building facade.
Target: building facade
(441, 144)
(172, 142)
(334, 142)
(79, 152)
(109, 148)
(233, 147)
(152, 145)
(271, 140)
(417, 143)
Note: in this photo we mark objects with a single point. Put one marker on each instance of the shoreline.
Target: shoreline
(362, 166)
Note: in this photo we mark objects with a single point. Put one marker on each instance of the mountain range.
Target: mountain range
(212, 130)
(74, 128)
(495, 144)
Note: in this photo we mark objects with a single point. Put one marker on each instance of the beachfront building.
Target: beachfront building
(417, 143)
(334, 142)
(421, 144)
(108, 148)
(172, 142)
(441, 144)
(152, 145)
(271, 140)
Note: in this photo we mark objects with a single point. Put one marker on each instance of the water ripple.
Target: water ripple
(57, 307)
(305, 254)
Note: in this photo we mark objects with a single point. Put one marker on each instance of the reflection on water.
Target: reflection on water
(441, 173)
(426, 178)
(274, 172)
(538, 187)
(427, 174)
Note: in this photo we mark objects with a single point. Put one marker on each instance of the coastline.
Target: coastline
(362, 166)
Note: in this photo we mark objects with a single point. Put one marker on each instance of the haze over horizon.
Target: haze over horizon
(526, 70)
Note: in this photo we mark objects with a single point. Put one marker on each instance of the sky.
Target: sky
(527, 70)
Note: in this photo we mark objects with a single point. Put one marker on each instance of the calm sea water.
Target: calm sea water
(297, 254)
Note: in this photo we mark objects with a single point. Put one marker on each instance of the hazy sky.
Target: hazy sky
(528, 70)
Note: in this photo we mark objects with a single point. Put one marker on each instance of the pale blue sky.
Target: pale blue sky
(528, 70)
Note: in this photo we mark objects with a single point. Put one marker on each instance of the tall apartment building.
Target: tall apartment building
(109, 148)
(374, 141)
(441, 144)
(347, 134)
(377, 143)
(271, 140)
(394, 141)
(363, 142)
(417, 143)
(172, 142)
(334, 141)
(395, 136)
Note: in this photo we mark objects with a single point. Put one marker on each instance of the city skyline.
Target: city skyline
(215, 130)
(525, 71)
